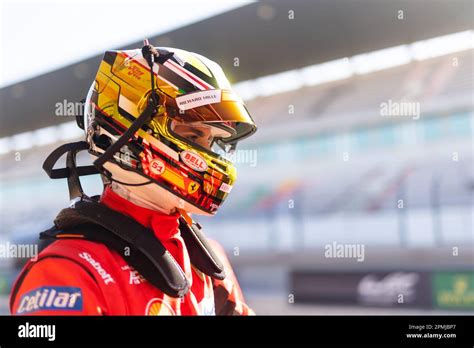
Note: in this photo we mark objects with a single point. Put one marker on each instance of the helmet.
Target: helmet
(166, 125)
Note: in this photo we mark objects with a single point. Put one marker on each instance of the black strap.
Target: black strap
(71, 172)
(131, 254)
(200, 252)
(127, 135)
(61, 173)
(97, 222)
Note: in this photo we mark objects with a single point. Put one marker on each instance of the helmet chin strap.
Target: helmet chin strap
(134, 196)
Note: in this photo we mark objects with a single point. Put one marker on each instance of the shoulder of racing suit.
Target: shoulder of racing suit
(67, 277)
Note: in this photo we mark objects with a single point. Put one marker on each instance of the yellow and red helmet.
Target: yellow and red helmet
(181, 151)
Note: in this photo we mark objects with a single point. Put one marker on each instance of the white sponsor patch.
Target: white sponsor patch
(200, 98)
(194, 161)
(225, 187)
(157, 167)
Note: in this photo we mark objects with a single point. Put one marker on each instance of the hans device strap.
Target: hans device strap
(200, 252)
(95, 222)
(71, 172)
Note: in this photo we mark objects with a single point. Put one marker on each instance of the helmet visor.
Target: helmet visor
(223, 110)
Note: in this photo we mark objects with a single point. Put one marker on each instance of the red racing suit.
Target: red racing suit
(80, 277)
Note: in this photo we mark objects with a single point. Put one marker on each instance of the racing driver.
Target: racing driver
(160, 124)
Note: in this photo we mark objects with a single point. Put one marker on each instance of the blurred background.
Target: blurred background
(365, 140)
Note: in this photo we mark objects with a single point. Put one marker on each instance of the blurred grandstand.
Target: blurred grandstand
(325, 166)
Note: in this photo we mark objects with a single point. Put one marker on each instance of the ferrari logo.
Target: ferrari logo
(193, 187)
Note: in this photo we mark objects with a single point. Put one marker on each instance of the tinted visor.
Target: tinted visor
(228, 113)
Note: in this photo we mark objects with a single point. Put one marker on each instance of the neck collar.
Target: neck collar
(164, 225)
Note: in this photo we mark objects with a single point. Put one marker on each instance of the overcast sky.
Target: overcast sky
(58, 33)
